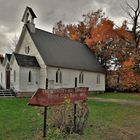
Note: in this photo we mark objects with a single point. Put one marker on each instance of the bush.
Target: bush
(60, 119)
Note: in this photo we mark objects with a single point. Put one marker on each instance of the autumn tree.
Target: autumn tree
(133, 11)
(130, 80)
(86, 32)
(112, 45)
(59, 29)
(131, 67)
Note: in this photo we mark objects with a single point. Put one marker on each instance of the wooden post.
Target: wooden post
(75, 116)
(45, 115)
(75, 107)
(45, 120)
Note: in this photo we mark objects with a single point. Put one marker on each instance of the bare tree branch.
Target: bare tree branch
(129, 6)
(134, 12)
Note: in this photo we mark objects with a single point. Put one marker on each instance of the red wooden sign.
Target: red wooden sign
(53, 97)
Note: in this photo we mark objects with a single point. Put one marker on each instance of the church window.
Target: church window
(27, 50)
(14, 76)
(58, 76)
(98, 79)
(81, 77)
(30, 77)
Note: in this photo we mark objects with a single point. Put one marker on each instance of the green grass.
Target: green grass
(126, 96)
(107, 121)
(113, 121)
(16, 119)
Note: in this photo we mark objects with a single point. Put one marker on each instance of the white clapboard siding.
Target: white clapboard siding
(69, 75)
(27, 41)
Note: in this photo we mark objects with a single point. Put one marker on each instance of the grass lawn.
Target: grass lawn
(126, 96)
(107, 121)
(16, 119)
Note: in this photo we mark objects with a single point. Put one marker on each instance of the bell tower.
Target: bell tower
(28, 19)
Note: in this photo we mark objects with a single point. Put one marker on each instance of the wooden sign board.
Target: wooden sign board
(52, 97)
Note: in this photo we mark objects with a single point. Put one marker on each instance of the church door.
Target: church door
(8, 79)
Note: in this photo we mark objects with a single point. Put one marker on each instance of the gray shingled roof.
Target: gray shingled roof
(8, 56)
(26, 60)
(63, 52)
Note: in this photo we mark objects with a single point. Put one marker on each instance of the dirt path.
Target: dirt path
(119, 101)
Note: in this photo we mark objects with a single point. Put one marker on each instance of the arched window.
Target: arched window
(14, 76)
(98, 79)
(58, 76)
(81, 78)
(30, 77)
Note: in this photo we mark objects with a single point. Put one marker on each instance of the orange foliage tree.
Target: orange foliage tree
(111, 44)
(130, 80)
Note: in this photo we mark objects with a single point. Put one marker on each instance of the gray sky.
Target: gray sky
(48, 13)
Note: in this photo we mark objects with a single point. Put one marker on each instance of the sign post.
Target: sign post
(54, 97)
(45, 120)
(74, 116)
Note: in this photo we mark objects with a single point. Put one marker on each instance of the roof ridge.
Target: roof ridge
(65, 37)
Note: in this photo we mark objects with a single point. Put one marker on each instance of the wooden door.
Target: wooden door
(8, 79)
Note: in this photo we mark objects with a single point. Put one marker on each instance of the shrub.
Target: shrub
(60, 119)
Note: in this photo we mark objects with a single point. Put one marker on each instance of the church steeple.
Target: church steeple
(28, 18)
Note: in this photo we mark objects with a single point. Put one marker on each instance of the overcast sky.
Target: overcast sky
(49, 12)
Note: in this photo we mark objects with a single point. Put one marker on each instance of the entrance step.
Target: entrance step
(6, 93)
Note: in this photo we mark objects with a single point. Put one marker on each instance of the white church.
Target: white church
(45, 60)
